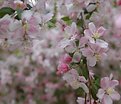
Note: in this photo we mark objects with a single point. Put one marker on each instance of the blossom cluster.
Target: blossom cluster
(78, 40)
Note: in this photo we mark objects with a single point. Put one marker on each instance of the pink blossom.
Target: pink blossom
(93, 53)
(94, 33)
(70, 34)
(107, 91)
(83, 41)
(75, 81)
(118, 2)
(30, 25)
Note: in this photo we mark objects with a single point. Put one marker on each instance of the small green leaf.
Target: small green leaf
(19, 12)
(6, 10)
(80, 22)
(51, 23)
(95, 86)
(84, 68)
(88, 15)
(67, 20)
(94, 91)
(79, 92)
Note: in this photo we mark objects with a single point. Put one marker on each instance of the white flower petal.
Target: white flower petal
(100, 93)
(92, 27)
(91, 61)
(115, 95)
(107, 100)
(84, 87)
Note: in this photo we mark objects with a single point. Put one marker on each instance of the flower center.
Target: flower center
(98, 57)
(109, 91)
(96, 35)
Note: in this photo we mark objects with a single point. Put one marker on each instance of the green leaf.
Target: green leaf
(84, 68)
(79, 92)
(6, 10)
(88, 15)
(85, 72)
(67, 20)
(51, 23)
(71, 54)
(95, 86)
(80, 22)
(94, 91)
(77, 43)
(19, 12)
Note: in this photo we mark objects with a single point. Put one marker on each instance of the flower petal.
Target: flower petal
(91, 61)
(105, 83)
(114, 83)
(92, 27)
(87, 33)
(102, 43)
(100, 93)
(80, 100)
(107, 100)
(101, 30)
(64, 43)
(84, 87)
(115, 95)
(77, 57)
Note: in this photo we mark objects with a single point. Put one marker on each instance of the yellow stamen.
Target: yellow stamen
(109, 90)
(96, 35)
(98, 57)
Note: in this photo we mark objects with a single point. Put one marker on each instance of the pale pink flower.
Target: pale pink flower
(82, 42)
(75, 81)
(94, 33)
(70, 34)
(30, 25)
(71, 30)
(93, 53)
(107, 91)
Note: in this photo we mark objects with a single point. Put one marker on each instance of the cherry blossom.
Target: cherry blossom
(44, 40)
(75, 81)
(107, 91)
(93, 53)
(94, 33)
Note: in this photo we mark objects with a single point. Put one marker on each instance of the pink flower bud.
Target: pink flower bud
(62, 68)
(67, 59)
(119, 2)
